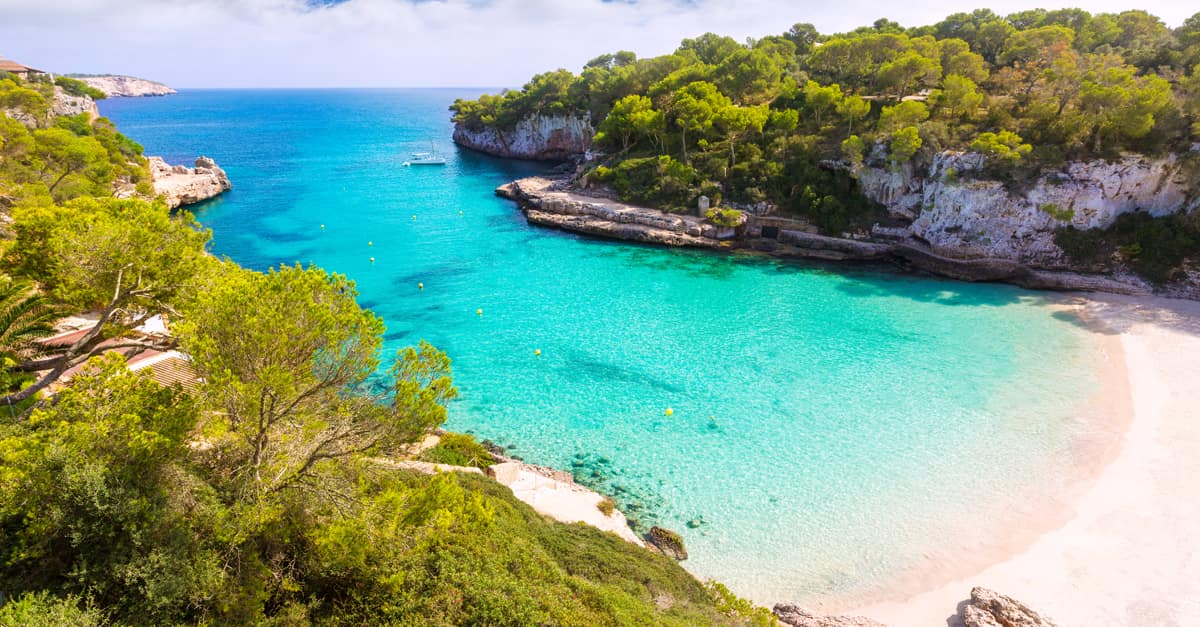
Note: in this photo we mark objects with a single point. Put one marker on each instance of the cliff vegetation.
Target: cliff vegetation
(785, 121)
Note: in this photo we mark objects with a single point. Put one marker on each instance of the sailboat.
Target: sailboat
(426, 158)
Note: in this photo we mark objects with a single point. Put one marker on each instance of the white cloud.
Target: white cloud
(265, 43)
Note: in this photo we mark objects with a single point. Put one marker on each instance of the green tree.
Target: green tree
(909, 71)
(905, 143)
(959, 97)
(94, 503)
(738, 122)
(286, 357)
(1006, 146)
(898, 116)
(695, 108)
(821, 100)
(631, 117)
(127, 259)
(1121, 106)
(853, 109)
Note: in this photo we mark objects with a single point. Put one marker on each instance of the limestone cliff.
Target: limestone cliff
(181, 185)
(538, 138)
(61, 104)
(961, 213)
(127, 86)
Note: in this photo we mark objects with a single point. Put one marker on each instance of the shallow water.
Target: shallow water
(832, 426)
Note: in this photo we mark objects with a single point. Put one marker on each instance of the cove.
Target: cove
(832, 426)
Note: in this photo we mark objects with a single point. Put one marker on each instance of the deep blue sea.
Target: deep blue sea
(832, 428)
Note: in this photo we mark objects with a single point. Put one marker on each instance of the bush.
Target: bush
(42, 610)
(1154, 247)
(660, 182)
(459, 449)
(76, 87)
(724, 217)
(607, 506)
(1052, 210)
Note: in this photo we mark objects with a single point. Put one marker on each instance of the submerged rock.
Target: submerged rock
(796, 616)
(181, 185)
(992, 609)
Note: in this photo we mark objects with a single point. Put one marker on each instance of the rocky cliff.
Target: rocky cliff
(538, 138)
(181, 185)
(555, 203)
(961, 213)
(62, 104)
(127, 86)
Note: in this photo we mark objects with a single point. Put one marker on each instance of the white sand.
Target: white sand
(1129, 555)
(561, 500)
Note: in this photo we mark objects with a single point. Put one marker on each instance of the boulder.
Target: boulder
(796, 616)
(181, 185)
(991, 609)
(667, 542)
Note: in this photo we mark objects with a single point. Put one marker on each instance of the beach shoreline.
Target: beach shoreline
(1118, 553)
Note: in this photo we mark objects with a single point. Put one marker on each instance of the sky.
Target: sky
(420, 43)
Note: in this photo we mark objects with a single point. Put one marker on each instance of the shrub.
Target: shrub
(1052, 210)
(42, 610)
(724, 217)
(76, 87)
(1154, 247)
(606, 506)
(459, 449)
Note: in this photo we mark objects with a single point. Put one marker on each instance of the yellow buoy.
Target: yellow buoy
(460, 212)
(322, 227)
(372, 260)
(370, 243)
(414, 216)
(537, 351)
(669, 412)
(479, 312)
(420, 286)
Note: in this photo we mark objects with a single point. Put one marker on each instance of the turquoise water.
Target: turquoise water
(832, 426)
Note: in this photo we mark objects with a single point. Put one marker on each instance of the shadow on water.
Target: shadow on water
(600, 369)
(1111, 314)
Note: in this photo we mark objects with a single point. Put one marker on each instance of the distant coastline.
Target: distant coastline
(118, 86)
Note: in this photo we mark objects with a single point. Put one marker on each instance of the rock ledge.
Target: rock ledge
(182, 186)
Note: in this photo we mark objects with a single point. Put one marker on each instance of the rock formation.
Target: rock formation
(552, 203)
(990, 609)
(538, 138)
(960, 212)
(667, 542)
(796, 616)
(127, 86)
(181, 185)
(62, 104)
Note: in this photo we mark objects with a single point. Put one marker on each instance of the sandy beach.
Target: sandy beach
(1126, 553)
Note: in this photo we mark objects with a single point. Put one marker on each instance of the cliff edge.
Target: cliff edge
(534, 138)
(182, 186)
(127, 86)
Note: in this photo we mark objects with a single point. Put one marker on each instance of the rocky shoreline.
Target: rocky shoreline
(553, 203)
(182, 186)
(115, 86)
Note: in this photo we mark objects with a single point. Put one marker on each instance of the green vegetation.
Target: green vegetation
(1155, 247)
(76, 87)
(459, 449)
(1054, 211)
(763, 120)
(724, 217)
(607, 506)
(259, 498)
